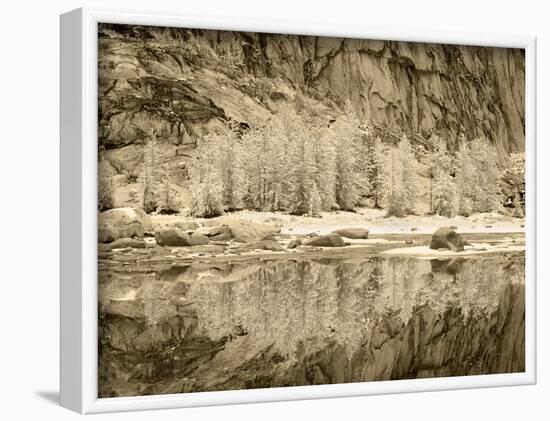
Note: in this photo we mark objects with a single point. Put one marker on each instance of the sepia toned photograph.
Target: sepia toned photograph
(283, 210)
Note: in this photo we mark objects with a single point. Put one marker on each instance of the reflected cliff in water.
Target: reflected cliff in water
(284, 323)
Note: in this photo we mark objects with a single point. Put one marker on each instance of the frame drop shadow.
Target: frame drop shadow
(51, 396)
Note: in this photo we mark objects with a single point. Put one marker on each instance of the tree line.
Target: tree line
(298, 166)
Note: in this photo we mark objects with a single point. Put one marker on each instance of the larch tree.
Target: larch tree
(443, 187)
(487, 192)
(256, 150)
(151, 174)
(376, 171)
(231, 169)
(279, 164)
(394, 200)
(401, 179)
(364, 157)
(465, 179)
(206, 181)
(325, 171)
(302, 172)
(347, 132)
(409, 174)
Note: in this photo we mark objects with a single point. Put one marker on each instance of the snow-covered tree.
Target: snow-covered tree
(289, 165)
(364, 161)
(393, 192)
(325, 172)
(444, 195)
(487, 192)
(347, 133)
(206, 181)
(259, 169)
(151, 174)
(409, 174)
(478, 178)
(443, 188)
(279, 133)
(376, 171)
(231, 168)
(401, 179)
(303, 170)
(465, 179)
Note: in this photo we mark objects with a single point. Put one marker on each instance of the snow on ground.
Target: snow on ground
(375, 221)
(391, 236)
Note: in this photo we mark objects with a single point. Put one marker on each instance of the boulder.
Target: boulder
(292, 244)
(122, 243)
(106, 234)
(247, 232)
(353, 233)
(217, 233)
(198, 239)
(446, 238)
(186, 226)
(264, 245)
(122, 223)
(328, 240)
(177, 238)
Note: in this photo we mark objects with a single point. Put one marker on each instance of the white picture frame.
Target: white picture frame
(79, 309)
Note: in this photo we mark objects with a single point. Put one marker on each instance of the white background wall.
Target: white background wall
(29, 212)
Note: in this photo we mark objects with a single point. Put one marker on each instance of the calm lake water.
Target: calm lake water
(203, 327)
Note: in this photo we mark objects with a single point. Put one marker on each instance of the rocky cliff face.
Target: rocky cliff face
(182, 83)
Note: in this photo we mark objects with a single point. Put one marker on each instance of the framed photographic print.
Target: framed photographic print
(260, 211)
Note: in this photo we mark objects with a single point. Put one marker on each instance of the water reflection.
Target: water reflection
(287, 322)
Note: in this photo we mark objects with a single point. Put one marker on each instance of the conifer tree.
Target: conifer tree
(256, 143)
(376, 171)
(364, 160)
(478, 178)
(347, 132)
(393, 194)
(303, 171)
(278, 165)
(488, 196)
(206, 182)
(231, 168)
(409, 174)
(465, 179)
(443, 194)
(151, 174)
(324, 168)
(401, 179)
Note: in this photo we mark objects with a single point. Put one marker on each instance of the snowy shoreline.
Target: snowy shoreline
(372, 219)
(408, 236)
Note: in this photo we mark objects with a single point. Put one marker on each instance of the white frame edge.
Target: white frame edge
(78, 184)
